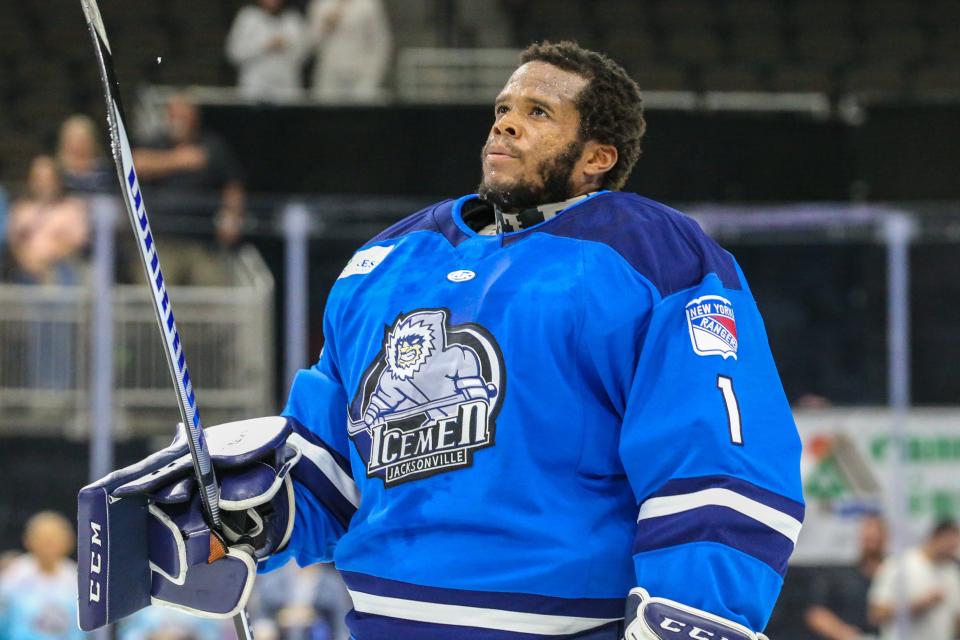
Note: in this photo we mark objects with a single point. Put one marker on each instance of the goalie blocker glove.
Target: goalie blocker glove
(143, 539)
(650, 618)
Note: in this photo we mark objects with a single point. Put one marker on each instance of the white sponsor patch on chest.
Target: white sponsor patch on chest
(363, 262)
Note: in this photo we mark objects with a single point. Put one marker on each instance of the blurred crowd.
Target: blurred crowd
(348, 40)
(863, 600)
(38, 598)
(189, 176)
(196, 202)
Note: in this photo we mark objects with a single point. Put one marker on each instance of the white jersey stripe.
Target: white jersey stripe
(502, 620)
(669, 505)
(322, 459)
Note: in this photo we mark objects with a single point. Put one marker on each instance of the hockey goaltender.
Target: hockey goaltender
(544, 410)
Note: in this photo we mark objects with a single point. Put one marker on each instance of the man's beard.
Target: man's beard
(554, 174)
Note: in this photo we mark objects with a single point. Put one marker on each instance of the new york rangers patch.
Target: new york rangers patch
(713, 326)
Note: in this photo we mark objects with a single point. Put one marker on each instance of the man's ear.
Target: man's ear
(597, 160)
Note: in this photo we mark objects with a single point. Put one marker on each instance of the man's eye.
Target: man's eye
(501, 109)
(538, 111)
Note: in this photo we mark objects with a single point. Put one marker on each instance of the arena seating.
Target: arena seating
(900, 48)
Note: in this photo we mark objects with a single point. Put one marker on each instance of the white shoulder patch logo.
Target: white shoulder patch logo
(713, 327)
(363, 262)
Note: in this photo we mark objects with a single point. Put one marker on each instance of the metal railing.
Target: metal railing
(453, 75)
(476, 76)
(46, 377)
(43, 355)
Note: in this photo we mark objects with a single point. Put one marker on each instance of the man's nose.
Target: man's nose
(506, 126)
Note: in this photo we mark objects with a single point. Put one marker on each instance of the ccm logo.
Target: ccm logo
(96, 560)
(696, 633)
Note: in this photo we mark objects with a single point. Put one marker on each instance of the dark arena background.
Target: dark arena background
(817, 140)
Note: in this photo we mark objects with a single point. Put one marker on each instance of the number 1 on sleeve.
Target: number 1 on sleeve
(725, 385)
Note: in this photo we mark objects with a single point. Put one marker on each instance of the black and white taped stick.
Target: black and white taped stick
(172, 346)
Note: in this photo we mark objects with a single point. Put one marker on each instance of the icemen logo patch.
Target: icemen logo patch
(429, 399)
(713, 326)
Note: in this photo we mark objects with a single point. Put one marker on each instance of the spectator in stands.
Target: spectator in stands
(82, 165)
(293, 603)
(268, 45)
(46, 232)
(929, 578)
(838, 600)
(164, 623)
(46, 228)
(353, 44)
(38, 590)
(192, 176)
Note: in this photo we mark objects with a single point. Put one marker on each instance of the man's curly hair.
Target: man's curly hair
(610, 106)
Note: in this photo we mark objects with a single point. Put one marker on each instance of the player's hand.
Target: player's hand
(149, 525)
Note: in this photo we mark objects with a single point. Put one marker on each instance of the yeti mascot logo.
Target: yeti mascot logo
(429, 399)
(408, 347)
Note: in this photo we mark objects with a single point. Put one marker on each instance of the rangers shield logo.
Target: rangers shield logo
(713, 327)
(429, 399)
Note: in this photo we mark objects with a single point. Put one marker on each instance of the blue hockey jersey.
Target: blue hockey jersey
(514, 430)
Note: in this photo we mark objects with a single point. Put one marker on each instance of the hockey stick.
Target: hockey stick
(172, 347)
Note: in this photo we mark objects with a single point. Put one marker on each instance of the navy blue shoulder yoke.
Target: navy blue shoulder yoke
(437, 218)
(666, 247)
